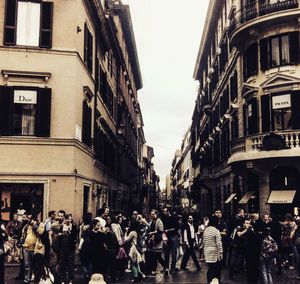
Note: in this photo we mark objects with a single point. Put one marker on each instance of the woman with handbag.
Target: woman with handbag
(134, 254)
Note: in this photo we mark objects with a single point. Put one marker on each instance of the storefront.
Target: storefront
(22, 197)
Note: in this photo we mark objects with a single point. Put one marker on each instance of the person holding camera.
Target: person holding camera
(67, 238)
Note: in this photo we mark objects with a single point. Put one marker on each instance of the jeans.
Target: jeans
(2, 257)
(265, 270)
(66, 263)
(171, 248)
(28, 256)
(189, 252)
(214, 271)
(235, 260)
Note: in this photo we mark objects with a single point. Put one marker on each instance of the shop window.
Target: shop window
(279, 50)
(250, 61)
(88, 48)
(28, 23)
(25, 111)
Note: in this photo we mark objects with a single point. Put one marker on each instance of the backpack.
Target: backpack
(269, 247)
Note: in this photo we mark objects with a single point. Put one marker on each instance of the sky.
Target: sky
(167, 34)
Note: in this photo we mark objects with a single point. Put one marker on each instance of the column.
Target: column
(264, 191)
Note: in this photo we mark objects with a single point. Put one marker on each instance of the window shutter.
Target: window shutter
(10, 23)
(245, 119)
(294, 47)
(90, 52)
(6, 110)
(85, 56)
(86, 123)
(252, 59)
(46, 24)
(43, 113)
(253, 121)
(265, 113)
(296, 110)
(264, 56)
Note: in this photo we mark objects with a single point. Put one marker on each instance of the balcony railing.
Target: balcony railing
(255, 143)
(258, 9)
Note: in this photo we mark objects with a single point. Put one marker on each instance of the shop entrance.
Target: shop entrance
(19, 197)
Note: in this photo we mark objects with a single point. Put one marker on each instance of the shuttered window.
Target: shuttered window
(234, 86)
(279, 50)
(250, 61)
(19, 119)
(34, 23)
(265, 113)
(296, 110)
(252, 117)
(86, 123)
(88, 48)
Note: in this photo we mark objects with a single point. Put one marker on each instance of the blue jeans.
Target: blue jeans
(265, 269)
(28, 256)
(171, 248)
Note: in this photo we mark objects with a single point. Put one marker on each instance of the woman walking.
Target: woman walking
(213, 250)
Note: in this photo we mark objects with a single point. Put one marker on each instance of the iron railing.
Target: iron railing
(258, 9)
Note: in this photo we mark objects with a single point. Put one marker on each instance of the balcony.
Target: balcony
(251, 147)
(263, 12)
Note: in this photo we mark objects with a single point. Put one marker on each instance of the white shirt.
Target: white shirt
(193, 235)
(102, 222)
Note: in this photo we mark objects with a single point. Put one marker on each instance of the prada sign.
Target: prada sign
(283, 101)
(25, 97)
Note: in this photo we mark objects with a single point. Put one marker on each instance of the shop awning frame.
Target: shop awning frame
(281, 197)
(230, 198)
(247, 196)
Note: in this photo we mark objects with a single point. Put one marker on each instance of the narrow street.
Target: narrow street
(184, 277)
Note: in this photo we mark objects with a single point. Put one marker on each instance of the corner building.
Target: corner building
(245, 130)
(68, 107)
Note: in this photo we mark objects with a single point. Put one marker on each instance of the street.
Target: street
(186, 277)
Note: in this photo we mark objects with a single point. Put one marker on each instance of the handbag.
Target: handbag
(121, 253)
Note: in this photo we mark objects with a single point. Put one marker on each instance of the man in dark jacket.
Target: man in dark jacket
(67, 238)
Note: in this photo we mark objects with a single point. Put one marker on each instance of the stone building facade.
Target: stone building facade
(69, 112)
(245, 129)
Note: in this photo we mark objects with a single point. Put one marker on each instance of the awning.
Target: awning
(246, 197)
(232, 195)
(281, 196)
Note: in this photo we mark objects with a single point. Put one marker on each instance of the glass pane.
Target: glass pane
(28, 23)
(285, 58)
(24, 119)
(275, 52)
(287, 121)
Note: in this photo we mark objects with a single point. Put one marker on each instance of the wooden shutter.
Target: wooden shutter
(10, 22)
(296, 110)
(6, 110)
(43, 113)
(264, 54)
(86, 123)
(46, 24)
(245, 112)
(85, 55)
(253, 120)
(265, 113)
(90, 52)
(294, 47)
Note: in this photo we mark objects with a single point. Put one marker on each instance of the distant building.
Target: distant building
(245, 129)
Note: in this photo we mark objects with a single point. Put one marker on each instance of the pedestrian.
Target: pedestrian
(269, 250)
(213, 249)
(41, 271)
(190, 242)
(295, 235)
(155, 242)
(201, 228)
(135, 256)
(222, 227)
(3, 239)
(97, 278)
(171, 230)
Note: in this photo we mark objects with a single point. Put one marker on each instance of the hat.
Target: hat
(97, 278)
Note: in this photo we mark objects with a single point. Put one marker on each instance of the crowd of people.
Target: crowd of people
(109, 244)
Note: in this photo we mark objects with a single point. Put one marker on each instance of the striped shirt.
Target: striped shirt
(212, 243)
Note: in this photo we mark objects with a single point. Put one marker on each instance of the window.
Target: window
(28, 23)
(250, 61)
(279, 50)
(25, 111)
(88, 48)
(250, 117)
(282, 112)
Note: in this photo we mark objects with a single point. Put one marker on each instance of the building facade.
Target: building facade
(245, 129)
(69, 112)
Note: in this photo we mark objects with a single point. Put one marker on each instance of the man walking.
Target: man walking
(190, 241)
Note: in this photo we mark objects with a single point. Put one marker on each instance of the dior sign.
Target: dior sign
(25, 97)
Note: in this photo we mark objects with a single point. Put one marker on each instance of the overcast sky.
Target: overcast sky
(167, 34)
